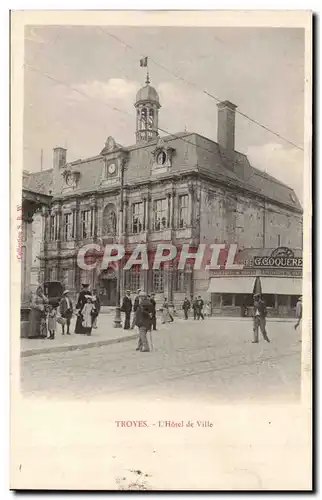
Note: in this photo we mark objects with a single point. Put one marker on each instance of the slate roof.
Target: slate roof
(193, 153)
(38, 182)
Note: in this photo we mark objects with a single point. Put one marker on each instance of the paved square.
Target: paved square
(211, 360)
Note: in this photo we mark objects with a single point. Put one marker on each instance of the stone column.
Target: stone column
(169, 210)
(77, 274)
(145, 214)
(191, 193)
(44, 265)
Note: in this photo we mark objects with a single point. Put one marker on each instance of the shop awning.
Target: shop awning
(238, 284)
(281, 286)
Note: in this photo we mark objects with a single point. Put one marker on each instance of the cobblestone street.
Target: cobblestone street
(214, 360)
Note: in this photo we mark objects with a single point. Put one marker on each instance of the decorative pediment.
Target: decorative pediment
(71, 177)
(111, 146)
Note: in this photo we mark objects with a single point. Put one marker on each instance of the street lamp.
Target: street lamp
(117, 319)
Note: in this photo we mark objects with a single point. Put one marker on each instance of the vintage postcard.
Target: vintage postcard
(161, 250)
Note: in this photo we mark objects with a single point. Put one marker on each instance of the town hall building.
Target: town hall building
(181, 189)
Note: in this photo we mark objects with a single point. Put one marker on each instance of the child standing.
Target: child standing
(87, 315)
(51, 322)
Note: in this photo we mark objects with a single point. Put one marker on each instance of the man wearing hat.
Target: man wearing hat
(299, 307)
(143, 321)
(66, 310)
(82, 299)
(127, 309)
(259, 318)
(135, 306)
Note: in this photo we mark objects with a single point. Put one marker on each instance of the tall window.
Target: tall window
(53, 274)
(67, 227)
(52, 228)
(132, 279)
(137, 217)
(278, 240)
(180, 281)
(158, 280)
(183, 210)
(86, 224)
(64, 276)
(160, 219)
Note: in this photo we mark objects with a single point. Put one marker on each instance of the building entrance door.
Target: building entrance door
(108, 292)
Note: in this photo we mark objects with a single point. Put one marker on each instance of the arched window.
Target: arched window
(143, 118)
(151, 118)
(109, 220)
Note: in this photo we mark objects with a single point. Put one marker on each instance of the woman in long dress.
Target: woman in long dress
(87, 316)
(79, 306)
(37, 314)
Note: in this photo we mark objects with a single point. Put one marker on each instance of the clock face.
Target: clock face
(111, 168)
(161, 158)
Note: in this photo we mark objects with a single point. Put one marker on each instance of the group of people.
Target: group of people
(129, 307)
(198, 306)
(44, 316)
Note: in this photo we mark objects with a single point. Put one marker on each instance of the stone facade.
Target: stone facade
(180, 189)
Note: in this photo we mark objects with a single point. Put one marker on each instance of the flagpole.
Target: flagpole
(147, 71)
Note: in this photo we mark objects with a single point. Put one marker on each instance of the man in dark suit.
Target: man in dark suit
(66, 310)
(127, 309)
(154, 312)
(200, 308)
(259, 318)
(186, 306)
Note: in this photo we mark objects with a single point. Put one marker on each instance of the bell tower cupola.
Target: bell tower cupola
(147, 106)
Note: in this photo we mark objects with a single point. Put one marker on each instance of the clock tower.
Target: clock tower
(147, 106)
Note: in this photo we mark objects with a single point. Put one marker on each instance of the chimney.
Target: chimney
(59, 159)
(226, 126)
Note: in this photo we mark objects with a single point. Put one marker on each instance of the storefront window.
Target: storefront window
(244, 300)
(294, 299)
(269, 300)
(282, 300)
(215, 300)
(227, 299)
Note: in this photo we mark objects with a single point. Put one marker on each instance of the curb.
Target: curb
(65, 348)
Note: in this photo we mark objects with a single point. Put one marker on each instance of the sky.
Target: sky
(261, 70)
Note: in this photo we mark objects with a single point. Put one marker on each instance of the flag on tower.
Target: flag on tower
(144, 62)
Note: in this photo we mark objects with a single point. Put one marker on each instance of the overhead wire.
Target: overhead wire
(179, 77)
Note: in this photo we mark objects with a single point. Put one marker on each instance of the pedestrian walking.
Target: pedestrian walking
(299, 308)
(66, 311)
(259, 318)
(87, 315)
(195, 308)
(127, 309)
(82, 300)
(154, 311)
(51, 322)
(166, 316)
(143, 321)
(135, 306)
(186, 307)
(200, 305)
(97, 307)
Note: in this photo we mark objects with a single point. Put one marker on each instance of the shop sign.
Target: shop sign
(280, 257)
